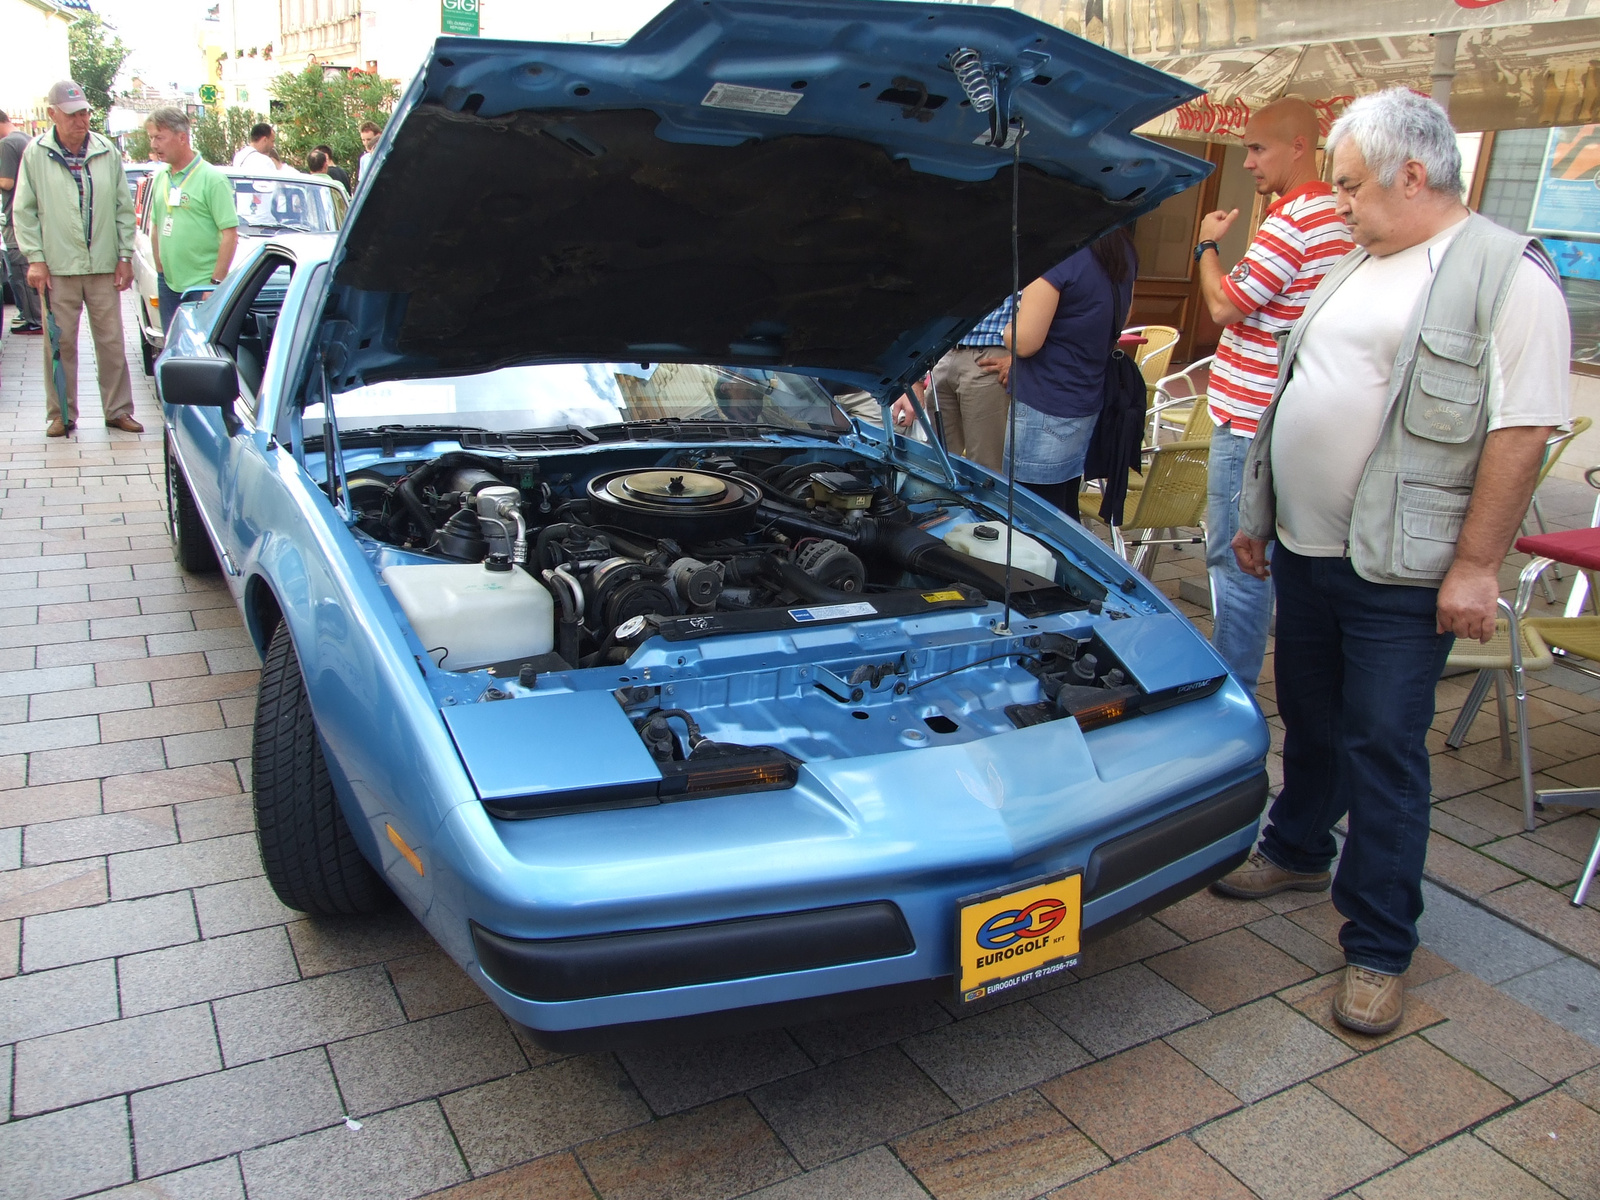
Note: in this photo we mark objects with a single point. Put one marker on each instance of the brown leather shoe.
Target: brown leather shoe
(126, 424)
(56, 428)
(1260, 876)
(1369, 1002)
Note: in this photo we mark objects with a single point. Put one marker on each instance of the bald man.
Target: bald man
(1256, 302)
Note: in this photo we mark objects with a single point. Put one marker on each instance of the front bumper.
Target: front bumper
(901, 939)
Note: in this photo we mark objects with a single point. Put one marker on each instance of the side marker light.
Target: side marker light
(406, 852)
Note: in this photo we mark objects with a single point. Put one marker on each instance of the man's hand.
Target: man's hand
(1507, 471)
(1251, 554)
(124, 276)
(1214, 226)
(902, 414)
(1467, 602)
(38, 276)
(1000, 365)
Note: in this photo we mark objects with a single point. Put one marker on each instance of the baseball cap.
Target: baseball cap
(66, 97)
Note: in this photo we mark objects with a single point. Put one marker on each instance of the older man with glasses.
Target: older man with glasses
(1392, 469)
(74, 221)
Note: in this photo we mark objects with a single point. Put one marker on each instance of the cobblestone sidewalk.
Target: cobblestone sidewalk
(167, 1029)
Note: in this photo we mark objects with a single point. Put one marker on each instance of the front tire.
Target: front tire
(191, 545)
(309, 854)
(147, 351)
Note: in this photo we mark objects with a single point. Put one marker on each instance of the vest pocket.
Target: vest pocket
(1445, 403)
(1428, 522)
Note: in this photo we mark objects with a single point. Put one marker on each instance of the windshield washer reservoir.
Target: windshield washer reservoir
(467, 616)
(987, 540)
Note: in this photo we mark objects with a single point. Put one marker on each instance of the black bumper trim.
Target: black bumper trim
(645, 960)
(1117, 863)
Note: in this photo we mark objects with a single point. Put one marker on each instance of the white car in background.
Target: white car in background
(268, 206)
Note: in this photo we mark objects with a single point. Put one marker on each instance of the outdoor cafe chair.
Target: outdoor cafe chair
(1171, 496)
(1571, 637)
(1178, 398)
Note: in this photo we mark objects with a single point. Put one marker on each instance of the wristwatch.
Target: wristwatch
(1200, 250)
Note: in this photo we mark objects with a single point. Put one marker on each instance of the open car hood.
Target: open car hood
(770, 183)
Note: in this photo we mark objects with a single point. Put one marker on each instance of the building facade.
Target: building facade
(34, 33)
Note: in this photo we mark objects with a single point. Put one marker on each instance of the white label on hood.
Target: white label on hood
(751, 99)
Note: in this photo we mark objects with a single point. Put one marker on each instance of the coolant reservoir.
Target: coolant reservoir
(987, 540)
(468, 616)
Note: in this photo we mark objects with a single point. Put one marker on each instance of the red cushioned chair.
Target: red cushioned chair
(1567, 636)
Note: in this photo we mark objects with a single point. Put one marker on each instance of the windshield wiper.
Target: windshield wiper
(677, 429)
(389, 436)
(280, 228)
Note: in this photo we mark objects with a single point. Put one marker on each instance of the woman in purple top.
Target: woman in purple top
(1067, 324)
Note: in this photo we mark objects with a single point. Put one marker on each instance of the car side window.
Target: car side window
(247, 328)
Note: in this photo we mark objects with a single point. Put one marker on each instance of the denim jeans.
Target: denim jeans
(1242, 602)
(1050, 449)
(27, 300)
(168, 301)
(1356, 665)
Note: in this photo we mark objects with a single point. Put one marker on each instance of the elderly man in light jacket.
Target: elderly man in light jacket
(1392, 468)
(73, 217)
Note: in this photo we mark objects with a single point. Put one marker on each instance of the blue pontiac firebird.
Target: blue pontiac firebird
(655, 685)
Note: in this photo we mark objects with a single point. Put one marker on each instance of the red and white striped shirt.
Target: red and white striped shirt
(1302, 237)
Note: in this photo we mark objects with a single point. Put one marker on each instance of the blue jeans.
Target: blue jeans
(1357, 665)
(1050, 449)
(168, 301)
(1242, 603)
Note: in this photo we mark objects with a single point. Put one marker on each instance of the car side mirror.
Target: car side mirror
(203, 382)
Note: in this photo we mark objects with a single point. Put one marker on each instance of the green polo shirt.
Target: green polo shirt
(188, 247)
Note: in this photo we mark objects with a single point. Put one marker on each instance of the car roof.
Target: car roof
(279, 176)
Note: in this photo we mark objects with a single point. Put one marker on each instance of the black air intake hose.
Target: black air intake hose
(409, 492)
(913, 549)
(919, 552)
(789, 576)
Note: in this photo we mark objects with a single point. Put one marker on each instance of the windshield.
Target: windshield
(275, 206)
(589, 394)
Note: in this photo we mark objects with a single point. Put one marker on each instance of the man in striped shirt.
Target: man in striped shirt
(1259, 299)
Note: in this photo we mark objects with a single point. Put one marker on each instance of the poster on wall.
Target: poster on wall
(1567, 202)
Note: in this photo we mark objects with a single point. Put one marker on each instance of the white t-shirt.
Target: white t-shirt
(249, 158)
(1332, 412)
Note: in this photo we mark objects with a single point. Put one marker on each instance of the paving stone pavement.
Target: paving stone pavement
(168, 1029)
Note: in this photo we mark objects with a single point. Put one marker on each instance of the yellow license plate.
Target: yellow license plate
(1017, 934)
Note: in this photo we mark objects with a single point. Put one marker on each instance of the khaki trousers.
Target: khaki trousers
(69, 296)
(972, 406)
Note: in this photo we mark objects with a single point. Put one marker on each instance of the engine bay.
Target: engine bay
(693, 548)
(731, 603)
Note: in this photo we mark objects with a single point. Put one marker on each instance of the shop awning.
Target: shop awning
(1518, 63)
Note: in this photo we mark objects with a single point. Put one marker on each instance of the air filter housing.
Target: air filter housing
(687, 506)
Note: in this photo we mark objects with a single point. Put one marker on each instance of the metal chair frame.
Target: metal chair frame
(1573, 797)
(1553, 448)
(1165, 399)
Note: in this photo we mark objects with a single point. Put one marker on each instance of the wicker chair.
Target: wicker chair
(1178, 398)
(1155, 355)
(1171, 497)
(1552, 454)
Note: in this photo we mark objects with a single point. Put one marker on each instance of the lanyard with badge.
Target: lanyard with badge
(175, 194)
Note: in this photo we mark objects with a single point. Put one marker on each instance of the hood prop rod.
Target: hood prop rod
(1004, 628)
(332, 452)
(935, 443)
